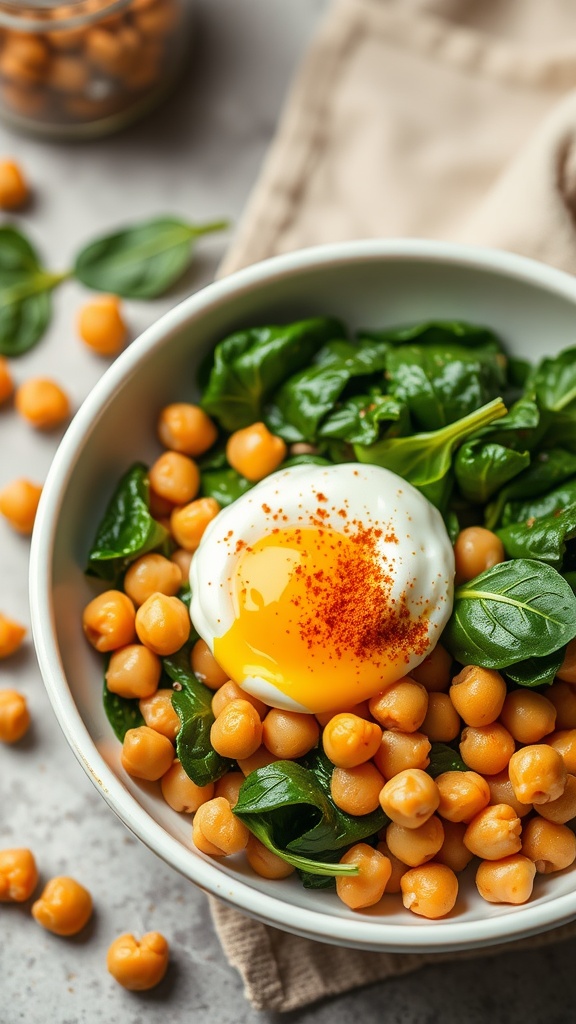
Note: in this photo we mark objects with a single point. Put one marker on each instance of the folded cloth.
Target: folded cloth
(449, 119)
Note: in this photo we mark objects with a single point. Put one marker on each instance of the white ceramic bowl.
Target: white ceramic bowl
(368, 283)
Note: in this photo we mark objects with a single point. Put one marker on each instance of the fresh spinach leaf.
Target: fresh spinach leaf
(292, 802)
(444, 759)
(25, 304)
(306, 459)
(248, 367)
(127, 529)
(362, 419)
(425, 458)
(442, 383)
(517, 610)
(536, 671)
(141, 261)
(298, 407)
(122, 713)
(193, 704)
(544, 538)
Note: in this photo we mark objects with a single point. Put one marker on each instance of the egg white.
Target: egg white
(421, 552)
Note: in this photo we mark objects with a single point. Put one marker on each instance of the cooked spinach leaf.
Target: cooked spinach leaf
(536, 507)
(547, 469)
(193, 704)
(440, 332)
(248, 367)
(536, 671)
(517, 610)
(544, 537)
(363, 419)
(483, 467)
(423, 459)
(127, 529)
(442, 383)
(444, 758)
(554, 382)
(289, 803)
(225, 485)
(123, 713)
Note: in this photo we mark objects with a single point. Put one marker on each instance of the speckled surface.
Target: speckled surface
(199, 156)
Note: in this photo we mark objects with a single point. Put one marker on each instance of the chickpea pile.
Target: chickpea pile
(66, 71)
(509, 809)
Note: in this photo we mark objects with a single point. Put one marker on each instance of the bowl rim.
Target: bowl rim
(361, 932)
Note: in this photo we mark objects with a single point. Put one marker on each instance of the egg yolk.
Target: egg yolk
(316, 615)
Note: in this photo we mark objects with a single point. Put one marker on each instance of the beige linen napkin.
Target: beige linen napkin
(449, 119)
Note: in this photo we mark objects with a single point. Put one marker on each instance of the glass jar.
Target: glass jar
(87, 67)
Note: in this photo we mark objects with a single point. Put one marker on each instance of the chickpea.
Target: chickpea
(181, 793)
(453, 852)
(152, 574)
(430, 890)
(231, 691)
(415, 846)
(501, 792)
(550, 844)
(11, 636)
(176, 477)
(264, 862)
(398, 869)
(205, 666)
(537, 774)
(159, 714)
(357, 790)
(442, 722)
(42, 402)
(361, 710)
(188, 523)
(401, 706)
(18, 875)
(237, 732)
(476, 549)
(6, 382)
(229, 787)
(133, 671)
(254, 452)
(14, 191)
(146, 754)
(14, 716)
(563, 696)
(567, 670)
(183, 560)
(494, 832)
(528, 716)
(157, 20)
(186, 428)
(64, 907)
(478, 695)
(109, 621)
(462, 795)
(400, 750)
(508, 880)
(19, 503)
(138, 966)
(217, 831)
(410, 798)
(435, 671)
(163, 624)
(564, 741)
(68, 74)
(289, 734)
(101, 325)
(367, 887)
(259, 759)
(349, 740)
(112, 51)
(160, 509)
(562, 809)
(488, 749)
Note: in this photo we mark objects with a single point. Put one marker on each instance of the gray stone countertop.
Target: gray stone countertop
(199, 156)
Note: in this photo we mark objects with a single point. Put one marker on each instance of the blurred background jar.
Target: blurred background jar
(88, 67)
